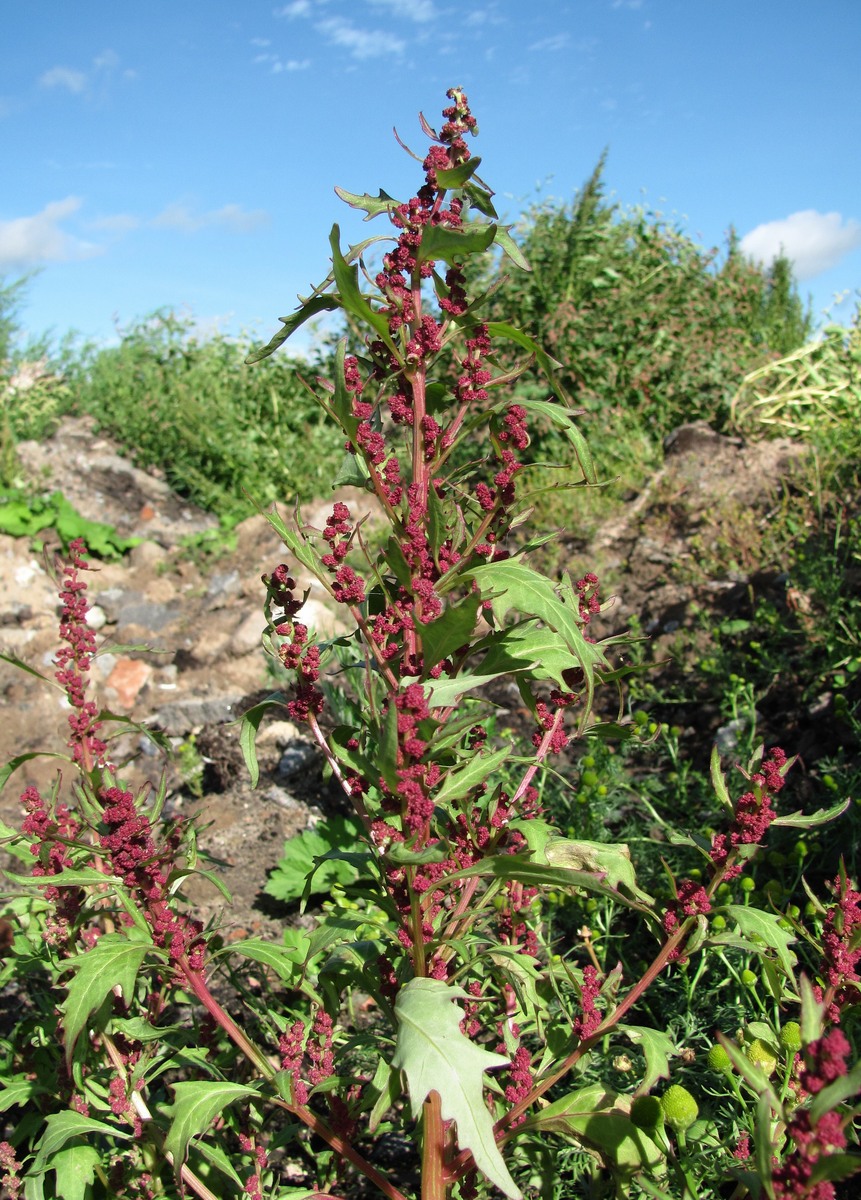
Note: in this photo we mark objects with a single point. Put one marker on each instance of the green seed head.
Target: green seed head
(718, 1059)
(790, 1037)
(680, 1108)
(647, 1112)
(749, 979)
(761, 1055)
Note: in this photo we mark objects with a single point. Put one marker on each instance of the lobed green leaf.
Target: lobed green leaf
(196, 1104)
(437, 1057)
(114, 961)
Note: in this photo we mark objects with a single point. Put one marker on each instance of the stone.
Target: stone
(181, 717)
(298, 756)
(128, 678)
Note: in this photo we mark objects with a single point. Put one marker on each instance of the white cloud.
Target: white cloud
(361, 43)
(108, 60)
(814, 241)
(299, 8)
(65, 77)
(292, 64)
(78, 82)
(415, 10)
(32, 241)
(558, 42)
(114, 223)
(231, 216)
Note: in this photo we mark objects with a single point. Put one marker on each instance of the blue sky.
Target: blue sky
(184, 154)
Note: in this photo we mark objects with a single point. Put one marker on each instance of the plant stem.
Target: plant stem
(153, 1134)
(433, 1150)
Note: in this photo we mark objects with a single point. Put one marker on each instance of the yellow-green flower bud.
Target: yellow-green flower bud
(718, 1059)
(647, 1112)
(761, 1055)
(790, 1037)
(679, 1107)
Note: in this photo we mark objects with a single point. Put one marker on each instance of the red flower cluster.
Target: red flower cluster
(132, 854)
(753, 813)
(825, 1061)
(73, 662)
(50, 831)
(294, 652)
(841, 944)
(590, 1018)
(691, 899)
(316, 1050)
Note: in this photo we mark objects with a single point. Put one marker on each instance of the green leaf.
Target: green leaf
(310, 308)
(456, 177)
(80, 877)
(330, 931)
(845, 1088)
(757, 924)
(212, 1153)
(454, 245)
(15, 843)
(195, 1106)
(114, 961)
(352, 472)
(800, 820)
(510, 248)
(139, 1030)
(285, 961)
(835, 1166)
(306, 857)
(436, 1057)
(387, 1086)
(566, 419)
(398, 853)
(449, 632)
(458, 783)
(61, 1127)
(442, 693)
(75, 1170)
(524, 869)
(14, 661)
(347, 281)
(14, 763)
(812, 1013)
(610, 860)
(297, 545)
(548, 365)
(514, 585)
(437, 525)
(249, 724)
(372, 205)
(19, 1091)
(658, 1048)
(718, 782)
(480, 198)
(599, 1119)
(342, 401)
(530, 646)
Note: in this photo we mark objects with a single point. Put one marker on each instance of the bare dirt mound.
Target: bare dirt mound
(181, 641)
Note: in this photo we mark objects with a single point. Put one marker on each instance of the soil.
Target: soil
(180, 635)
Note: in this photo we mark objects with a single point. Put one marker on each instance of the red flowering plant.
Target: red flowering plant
(424, 1037)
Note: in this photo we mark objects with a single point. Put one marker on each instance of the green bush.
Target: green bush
(226, 436)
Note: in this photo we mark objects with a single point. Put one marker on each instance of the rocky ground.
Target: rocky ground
(180, 639)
